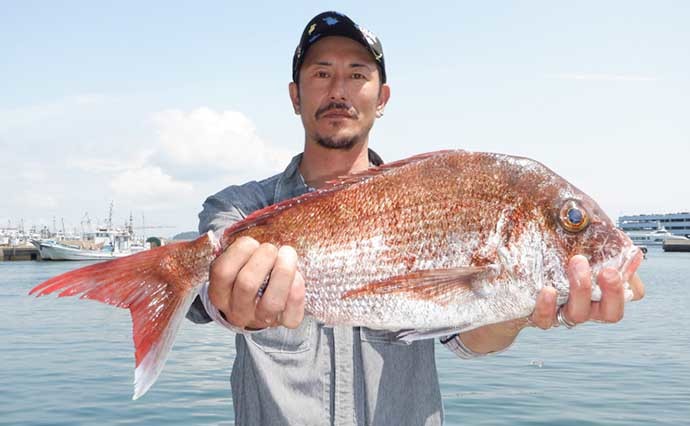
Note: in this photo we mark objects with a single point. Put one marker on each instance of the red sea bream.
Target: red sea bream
(440, 242)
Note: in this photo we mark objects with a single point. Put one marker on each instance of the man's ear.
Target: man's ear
(384, 96)
(294, 96)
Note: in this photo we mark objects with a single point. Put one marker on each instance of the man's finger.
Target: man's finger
(294, 308)
(249, 280)
(636, 286)
(224, 270)
(544, 314)
(632, 266)
(577, 310)
(612, 302)
(273, 301)
(630, 276)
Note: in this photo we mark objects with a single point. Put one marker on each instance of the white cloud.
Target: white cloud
(32, 173)
(110, 165)
(39, 200)
(205, 139)
(148, 184)
(604, 77)
(67, 156)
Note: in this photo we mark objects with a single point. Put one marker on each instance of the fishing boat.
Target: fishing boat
(106, 242)
(103, 244)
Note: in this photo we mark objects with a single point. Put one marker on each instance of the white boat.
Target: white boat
(41, 246)
(103, 244)
(653, 238)
(59, 251)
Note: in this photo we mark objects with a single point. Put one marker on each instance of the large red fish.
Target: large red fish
(440, 242)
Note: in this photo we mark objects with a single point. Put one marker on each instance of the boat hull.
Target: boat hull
(57, 251)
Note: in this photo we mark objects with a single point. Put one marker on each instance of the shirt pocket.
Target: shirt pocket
(285, 340)
(380, 336)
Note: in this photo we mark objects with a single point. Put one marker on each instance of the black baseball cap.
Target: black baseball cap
(336, 24)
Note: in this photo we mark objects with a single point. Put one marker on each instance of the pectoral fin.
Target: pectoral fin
(431, 284)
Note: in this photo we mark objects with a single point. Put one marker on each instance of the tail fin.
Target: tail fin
(157, 286)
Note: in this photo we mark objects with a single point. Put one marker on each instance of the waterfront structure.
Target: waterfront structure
(675, 223)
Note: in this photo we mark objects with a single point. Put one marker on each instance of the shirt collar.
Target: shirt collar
(291, 182)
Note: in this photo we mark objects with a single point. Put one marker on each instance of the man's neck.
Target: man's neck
(319, 164)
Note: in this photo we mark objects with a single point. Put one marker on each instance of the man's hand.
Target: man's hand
(579, 308)
(238, 274)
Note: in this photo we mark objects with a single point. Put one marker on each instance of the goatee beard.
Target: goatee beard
(332, 143)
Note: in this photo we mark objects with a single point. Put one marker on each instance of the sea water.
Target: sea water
(70, 362)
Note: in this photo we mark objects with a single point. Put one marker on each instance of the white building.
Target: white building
(675, 223)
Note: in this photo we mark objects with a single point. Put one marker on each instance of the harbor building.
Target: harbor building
(674, 223)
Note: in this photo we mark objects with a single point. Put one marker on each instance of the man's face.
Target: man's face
(339, 92)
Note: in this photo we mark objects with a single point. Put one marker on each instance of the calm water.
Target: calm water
(68, 362)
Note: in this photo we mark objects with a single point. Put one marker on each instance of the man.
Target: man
(290, 369)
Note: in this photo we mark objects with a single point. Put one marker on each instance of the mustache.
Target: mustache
(345, 107)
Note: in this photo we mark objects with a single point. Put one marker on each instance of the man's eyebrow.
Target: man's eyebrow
(352, 65)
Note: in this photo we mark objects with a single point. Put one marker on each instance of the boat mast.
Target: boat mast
(130, 226)
(110, 216)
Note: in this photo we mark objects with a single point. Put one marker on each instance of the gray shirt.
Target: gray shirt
(314, 374)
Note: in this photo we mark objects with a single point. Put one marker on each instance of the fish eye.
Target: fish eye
(573, 217)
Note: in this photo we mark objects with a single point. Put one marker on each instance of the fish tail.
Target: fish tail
(157, 286)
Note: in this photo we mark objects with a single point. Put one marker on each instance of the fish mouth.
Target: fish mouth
(626, 263)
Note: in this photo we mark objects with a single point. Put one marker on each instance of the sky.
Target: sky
(156, 105)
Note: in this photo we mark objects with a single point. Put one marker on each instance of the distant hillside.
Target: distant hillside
(189, 235)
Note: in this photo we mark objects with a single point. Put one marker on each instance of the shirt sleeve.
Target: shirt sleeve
(214, 314)
(217, 213)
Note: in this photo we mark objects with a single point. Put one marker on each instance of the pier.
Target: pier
(10, 253)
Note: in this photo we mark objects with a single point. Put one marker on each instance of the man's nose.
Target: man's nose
(337, 89)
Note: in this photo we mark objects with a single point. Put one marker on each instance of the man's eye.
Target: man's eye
(358, 76)
(321, 74)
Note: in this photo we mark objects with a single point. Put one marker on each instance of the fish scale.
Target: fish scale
(439, 242)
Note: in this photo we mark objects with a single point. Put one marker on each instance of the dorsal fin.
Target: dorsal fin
(353, 178)
(260, 216)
